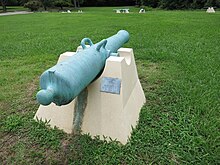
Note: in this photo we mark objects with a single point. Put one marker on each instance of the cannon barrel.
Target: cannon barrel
(64, 81)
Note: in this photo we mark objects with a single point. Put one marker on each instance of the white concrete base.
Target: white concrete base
(106, 114)
(210, 10)
(59, 116)
(142, 11)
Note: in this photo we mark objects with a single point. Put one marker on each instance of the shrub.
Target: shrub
(61, 3)
(32, 5)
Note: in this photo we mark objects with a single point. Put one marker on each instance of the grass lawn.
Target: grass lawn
(178, 59)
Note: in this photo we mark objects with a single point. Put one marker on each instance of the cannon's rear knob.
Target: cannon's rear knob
(45, 96)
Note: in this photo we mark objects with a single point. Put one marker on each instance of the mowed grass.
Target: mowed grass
(178, 59)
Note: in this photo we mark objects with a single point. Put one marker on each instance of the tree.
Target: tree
(198, 4)
(62, 3)
(80, 2)
(22, 2)
(46, 3)
(33, 5)
(214, 3)
(74, 3)
(77, 3)
(151, 3)
(182, 4)
(4, 3)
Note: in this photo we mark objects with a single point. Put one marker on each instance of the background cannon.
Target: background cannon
(64, 81)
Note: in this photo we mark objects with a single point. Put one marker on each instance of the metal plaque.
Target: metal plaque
(110, 85)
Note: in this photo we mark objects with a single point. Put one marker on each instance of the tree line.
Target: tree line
(164, 4)
(180, 4)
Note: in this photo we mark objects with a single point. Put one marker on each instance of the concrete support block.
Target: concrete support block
(106, 114)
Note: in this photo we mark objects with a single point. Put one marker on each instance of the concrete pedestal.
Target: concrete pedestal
(106, 114)
(210, 10)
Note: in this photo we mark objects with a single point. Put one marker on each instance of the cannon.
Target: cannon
(66, 80)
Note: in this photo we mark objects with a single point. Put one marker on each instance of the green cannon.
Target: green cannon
(63, 82)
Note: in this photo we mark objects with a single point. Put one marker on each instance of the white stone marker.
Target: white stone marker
(118, 11)
(142, 11)
(210, 10)
(126, 10)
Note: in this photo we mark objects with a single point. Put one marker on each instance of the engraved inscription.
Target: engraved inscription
(110, 85)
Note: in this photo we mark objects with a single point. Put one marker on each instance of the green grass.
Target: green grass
(177, 55)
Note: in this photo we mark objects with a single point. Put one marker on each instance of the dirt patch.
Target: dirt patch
(7, 143)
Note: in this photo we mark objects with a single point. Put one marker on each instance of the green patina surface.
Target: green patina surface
(64, 81)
